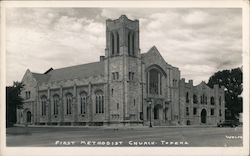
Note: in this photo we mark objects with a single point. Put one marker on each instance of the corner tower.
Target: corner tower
(123, 71)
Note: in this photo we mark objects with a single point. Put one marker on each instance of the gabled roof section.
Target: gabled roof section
(50, 69)
(202, 85)
(79, 71)
(72, 72)
(27, 72)
(40, 78)
(152, 51)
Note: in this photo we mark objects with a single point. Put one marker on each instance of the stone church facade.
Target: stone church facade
(126, 87)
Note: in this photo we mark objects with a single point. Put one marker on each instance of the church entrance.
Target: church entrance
(28, 116)
(157, 114)
(203, 116)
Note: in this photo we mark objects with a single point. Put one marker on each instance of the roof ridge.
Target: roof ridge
(37, 73)
(77, 65)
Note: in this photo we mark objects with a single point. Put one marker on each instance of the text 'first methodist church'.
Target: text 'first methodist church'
(126, 87)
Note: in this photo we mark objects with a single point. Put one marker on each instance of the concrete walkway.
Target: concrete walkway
(120, 127)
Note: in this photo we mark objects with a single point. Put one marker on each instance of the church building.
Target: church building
(125, 88)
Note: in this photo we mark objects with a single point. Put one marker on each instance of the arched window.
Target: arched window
(187, 97)
(112, 44)
(195, 101)
(69, 101)
(99, 102)
(133, 44)
(129, 44)
(117, 43)
(83, 103)
(220, 100)
(203, 99)
(212, 100)
(55, 104)
(44, 103)
(155, 82)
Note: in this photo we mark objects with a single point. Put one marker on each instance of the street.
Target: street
(111, 137)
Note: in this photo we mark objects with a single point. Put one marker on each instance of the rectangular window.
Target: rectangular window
(194, 111)
(117, 105)
(27, 94)
(115, 75)
(187, 111)
(212, 111)
(131, 76)
(220, 112)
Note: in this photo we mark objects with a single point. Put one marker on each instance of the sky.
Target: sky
(198, 41)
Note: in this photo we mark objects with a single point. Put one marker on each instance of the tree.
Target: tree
(13, 101)
(232, 81)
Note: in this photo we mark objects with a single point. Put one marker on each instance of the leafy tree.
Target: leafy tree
(232, 81)
(13, 101)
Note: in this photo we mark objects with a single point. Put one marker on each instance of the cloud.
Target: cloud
(197, 41)
(197, 18)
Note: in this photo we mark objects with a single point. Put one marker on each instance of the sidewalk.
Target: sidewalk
(119, 127)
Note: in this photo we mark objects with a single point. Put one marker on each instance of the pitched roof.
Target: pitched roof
(41, 77)
(147, 54)
(72, 72)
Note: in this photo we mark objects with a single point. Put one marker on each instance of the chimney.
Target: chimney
(102, 58)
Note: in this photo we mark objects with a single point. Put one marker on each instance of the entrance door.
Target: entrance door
(203, 116)
(156, 113)
(28, 117)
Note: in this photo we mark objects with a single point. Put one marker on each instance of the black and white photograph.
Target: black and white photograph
(102, 77)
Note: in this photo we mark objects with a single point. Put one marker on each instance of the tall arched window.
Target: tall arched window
(212, 100)
(133, 44)
(154, 81)
(117, 43)
(129, 44)
(187, 97)
(43, 103)
(69, 101)
(55, 104)
(220, 100)
(112, 44)
(195, 99)
(83, 103)
(99, 102)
